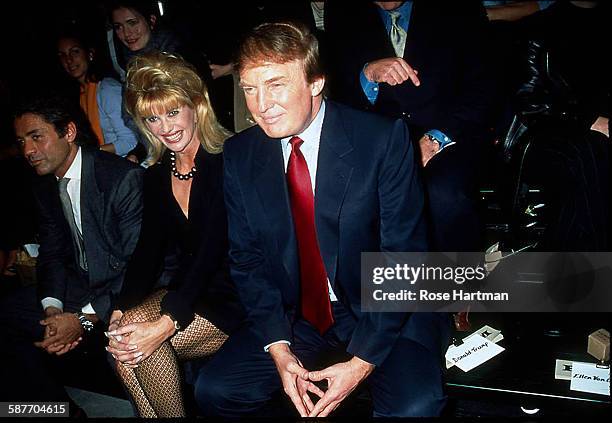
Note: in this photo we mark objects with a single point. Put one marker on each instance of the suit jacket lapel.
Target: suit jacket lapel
(269, 179)
(92, 206)
(334, 172)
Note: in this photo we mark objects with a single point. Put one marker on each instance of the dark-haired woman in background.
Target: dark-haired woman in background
(100, 98)
(137, 28)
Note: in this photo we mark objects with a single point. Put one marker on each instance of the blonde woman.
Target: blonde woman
(183, 239)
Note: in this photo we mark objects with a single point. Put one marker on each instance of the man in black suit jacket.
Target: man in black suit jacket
(89, 206)
(295, 259)
(429, 69)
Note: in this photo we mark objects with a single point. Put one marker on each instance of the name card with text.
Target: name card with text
(587, 377)
(473, 352)
(487, 332)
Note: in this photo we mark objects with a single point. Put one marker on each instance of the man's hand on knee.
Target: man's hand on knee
(294, 378)
(342, 379)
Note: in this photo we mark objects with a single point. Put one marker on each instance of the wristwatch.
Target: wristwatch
(177, 326)
(85, 322)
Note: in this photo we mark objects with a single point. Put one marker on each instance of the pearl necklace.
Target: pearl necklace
(176, 174)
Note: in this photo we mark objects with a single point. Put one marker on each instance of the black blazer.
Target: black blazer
(111, 212)
(194, 251)
(445, 43)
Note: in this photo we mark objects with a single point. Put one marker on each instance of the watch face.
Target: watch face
(85, 323)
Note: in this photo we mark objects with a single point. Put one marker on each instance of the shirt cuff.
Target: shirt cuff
(370, 89)
(441, 137)
(88, 309)
(267, 347)
(51, 302)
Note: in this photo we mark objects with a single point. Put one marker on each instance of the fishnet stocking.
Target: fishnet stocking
(155, 385)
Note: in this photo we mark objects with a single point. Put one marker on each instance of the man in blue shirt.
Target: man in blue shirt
(425, 63)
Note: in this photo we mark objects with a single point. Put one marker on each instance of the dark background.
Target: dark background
(30, 29)
(210, 29)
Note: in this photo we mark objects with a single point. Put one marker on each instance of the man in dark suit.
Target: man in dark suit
(307, 190)
(89, 205)
(424, 62)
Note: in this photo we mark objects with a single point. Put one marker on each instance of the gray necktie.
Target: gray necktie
(77, 237)
(397, 34)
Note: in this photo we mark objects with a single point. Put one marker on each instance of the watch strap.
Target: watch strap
(84, 321)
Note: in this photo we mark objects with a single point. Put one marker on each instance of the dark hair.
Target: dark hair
(94, 72)
(59, 111)
(145, 7)
(281, 42)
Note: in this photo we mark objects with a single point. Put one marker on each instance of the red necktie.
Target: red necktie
(316, 306)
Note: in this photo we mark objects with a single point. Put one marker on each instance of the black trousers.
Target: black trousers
(451, 188)
(30, 373)
(241, 378)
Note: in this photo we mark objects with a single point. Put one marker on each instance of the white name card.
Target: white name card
(587, 377)
(473, 352)
(491, 334)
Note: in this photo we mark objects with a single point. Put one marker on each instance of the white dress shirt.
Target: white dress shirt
(74, 192)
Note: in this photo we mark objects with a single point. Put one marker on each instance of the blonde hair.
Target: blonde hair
(162, 81)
